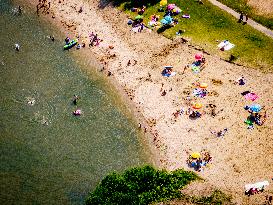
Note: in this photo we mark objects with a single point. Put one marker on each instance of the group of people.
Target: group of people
(94, 40)
(198, 163)
(242, 19)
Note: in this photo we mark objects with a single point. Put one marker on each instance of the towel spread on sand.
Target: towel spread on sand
(258, 185)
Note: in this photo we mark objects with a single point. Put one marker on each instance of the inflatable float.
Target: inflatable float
(70, 44)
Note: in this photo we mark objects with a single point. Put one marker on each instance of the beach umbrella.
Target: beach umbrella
(169, 66)
(163, 3)
(203, 85)
(196, 155)
(168, 18)
(198, 56)
(138, 17)
(255, 108)
(171, 6)
(197, 105)
(163, 21)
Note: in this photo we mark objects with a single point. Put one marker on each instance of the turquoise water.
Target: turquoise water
(48, 156)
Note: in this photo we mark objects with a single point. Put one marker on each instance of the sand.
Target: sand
(264, 7)
(242, 156)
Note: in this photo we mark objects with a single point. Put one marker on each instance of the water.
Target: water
(49, 156)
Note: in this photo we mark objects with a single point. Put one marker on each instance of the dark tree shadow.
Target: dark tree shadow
(163, 28)
(128, 3)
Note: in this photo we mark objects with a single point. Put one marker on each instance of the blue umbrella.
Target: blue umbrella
(168, 19)
(163, 21)
(255, 108)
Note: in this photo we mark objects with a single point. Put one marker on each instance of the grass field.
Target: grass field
(208, 25)
(242, 6)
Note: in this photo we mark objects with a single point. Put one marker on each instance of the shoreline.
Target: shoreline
(171, 138)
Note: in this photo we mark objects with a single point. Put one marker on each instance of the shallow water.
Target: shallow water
(49, 156)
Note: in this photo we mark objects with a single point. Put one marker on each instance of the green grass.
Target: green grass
(208, 24)
(242, 6)
(140, 186)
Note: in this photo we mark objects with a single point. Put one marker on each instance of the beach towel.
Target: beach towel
(226, 45)
(251, 96)
(187, 16)
(169, 75)
(259, 185)
(197, 92)
(195, 69)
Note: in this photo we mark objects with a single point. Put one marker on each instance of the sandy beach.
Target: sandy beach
(240, 157)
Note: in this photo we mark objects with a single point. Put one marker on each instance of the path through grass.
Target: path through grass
(242, 6)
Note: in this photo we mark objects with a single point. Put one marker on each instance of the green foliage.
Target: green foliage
(140, 186)
(242, 6)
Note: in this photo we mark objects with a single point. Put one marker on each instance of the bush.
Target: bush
(140, 186)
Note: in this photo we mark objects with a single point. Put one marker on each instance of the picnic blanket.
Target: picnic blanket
(251, 96)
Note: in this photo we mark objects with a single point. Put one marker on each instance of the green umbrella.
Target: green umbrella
(138, 17)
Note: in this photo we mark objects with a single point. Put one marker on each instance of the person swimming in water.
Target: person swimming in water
(75, 99)
(17, 47)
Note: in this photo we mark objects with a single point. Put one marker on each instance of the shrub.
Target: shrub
(141, 185)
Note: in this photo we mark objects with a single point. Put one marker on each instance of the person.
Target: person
(246, 16)
(198, 165)
(203, 64)
(78, 46)
(19, 10)
(80, 11)
(241, 81)
(269, 199)
(222, 133)
(129, 63)
(49, 2)
(142, 10)
(77, 112)
(17, 47)
(241, 17)
(179, 32)
(163, 93)
(52, 38)
(75, 99)
(67, 40)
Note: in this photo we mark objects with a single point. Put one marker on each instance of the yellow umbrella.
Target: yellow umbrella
(163, 3)
(196, 155)
(197, 105)
(203, 85)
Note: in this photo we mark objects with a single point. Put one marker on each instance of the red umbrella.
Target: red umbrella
(198, 56)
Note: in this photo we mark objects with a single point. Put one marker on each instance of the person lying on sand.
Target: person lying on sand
(241, 81)
(203, 64)
(221, 133)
